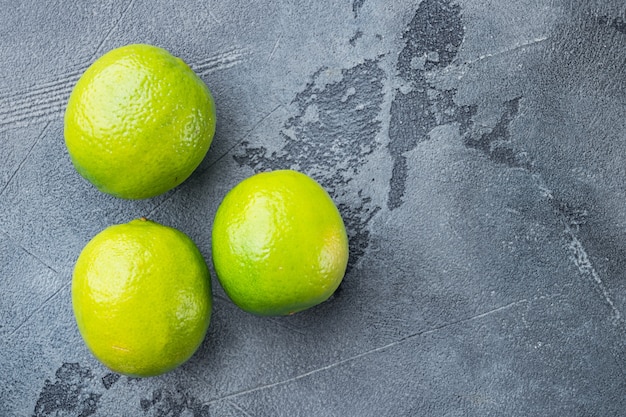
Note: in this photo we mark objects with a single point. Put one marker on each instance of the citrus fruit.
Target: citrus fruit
(138, 122)
(141, 295)
(279, 243)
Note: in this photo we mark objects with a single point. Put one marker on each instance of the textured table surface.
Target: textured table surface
(477, 152)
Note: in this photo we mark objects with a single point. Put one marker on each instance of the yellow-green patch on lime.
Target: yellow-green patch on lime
(279, 244)
(141, 295)
(138, 122)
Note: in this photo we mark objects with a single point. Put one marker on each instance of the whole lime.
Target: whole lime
(279, 244)
(142, 299)
(138, 122)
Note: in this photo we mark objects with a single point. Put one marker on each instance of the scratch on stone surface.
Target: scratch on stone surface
(30, 150)
(238, 408)
(269, 58)
(223, 60)
(397, 342)
(110, 31)
(28, 252)
(512, 48)
(39, 307)
(59, 83)
(212, 15)
(495, 310)
(48, 104)
(585, 267)
(47, 101)
(580, 256)
(570, 218)
(43, 100)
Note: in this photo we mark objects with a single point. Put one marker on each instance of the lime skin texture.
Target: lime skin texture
(279, 244)
(138, 122)
(142, 297)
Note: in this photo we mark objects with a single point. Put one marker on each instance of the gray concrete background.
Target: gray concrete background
(476, 149)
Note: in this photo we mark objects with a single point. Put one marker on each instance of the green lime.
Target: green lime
(138, 122)
(141, 295)
(279, 243)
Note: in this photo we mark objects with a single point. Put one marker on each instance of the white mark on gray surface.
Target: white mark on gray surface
(238, 408)
(212, 15)
(36, 310)
(47, 101)
(579, 255)
(110, 31)
(28, 252)
(271, 55)
(570, 219)
(221, 61)
(44, 102)
(507, 50)
(397, 342)
(45, 109)
(585, 267)
(23, 161)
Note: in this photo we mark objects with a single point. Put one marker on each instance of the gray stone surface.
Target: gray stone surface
(476, 150)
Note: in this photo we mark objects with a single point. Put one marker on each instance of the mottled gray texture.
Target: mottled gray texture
(475, 148)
